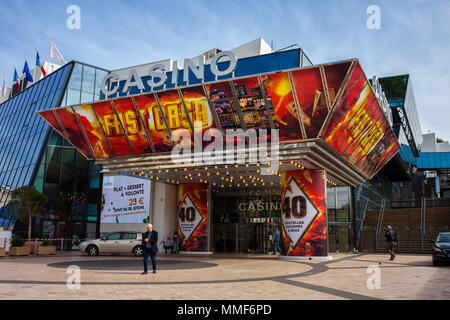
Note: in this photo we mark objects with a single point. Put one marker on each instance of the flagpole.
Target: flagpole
(34, 70)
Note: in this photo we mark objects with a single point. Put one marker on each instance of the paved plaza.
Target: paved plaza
(223, 277)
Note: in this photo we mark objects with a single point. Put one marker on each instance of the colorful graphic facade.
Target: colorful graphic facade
(332, 102)
(192, 217)
(303, 213)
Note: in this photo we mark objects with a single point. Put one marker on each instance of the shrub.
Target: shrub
(17, 242)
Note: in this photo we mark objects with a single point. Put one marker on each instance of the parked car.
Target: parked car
(441, 248)
(116, 242)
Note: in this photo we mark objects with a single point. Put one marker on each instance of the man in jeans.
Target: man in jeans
(276, 241)
(390, 241)
(150, 245)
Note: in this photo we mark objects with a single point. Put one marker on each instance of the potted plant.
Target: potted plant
(46, 248)
(18, 248)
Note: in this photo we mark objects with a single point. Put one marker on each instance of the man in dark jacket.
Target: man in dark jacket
(390, 241)
(150, 246)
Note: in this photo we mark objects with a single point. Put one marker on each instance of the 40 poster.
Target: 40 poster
(304, 223)
(192, 216)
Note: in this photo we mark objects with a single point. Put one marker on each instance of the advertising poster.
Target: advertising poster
(311, 98)
(192, 216)
(133, 126)
(198, 110)
(93, 131)
(125, 200)
(278, 90)
(112, 128)
(154, 122)
(73, 131)
(303, 213)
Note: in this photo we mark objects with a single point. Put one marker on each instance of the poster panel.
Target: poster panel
(74, 132)
(281, 100)
(93, 131)
(50, 117)
(133, 126)
(335, 74)
(125, 200)
(192, 216)
(303, 213)
(112, 128)
(311, 98)
(221, 97)
(154, 122)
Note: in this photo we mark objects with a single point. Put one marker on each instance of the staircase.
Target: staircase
(407, 223)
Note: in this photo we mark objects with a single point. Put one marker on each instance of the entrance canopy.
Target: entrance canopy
(327, 115)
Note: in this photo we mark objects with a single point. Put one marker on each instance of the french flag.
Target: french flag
(38, 64)
(16, 79)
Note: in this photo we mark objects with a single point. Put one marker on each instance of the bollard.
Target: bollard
(35, 246)
(62, 243)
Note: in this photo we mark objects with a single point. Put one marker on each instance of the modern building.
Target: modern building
(115, 149)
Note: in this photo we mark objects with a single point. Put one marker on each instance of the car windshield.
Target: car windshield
(444, 237)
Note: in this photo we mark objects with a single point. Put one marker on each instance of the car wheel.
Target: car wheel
(138, 251)
(92, 250)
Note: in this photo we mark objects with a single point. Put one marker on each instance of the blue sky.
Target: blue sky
(414, 37)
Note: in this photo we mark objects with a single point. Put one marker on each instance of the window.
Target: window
(129, 236)
(113, 236)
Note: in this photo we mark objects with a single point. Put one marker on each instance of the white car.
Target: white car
(116, 242)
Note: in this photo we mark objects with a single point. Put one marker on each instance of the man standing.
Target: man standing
(150, 244)
(276, 241)
(390, 241)
(175, 243)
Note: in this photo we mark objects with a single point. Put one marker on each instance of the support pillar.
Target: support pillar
(303, 216)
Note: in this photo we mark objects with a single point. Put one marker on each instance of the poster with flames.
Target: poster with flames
(192, 216)
(303, 216)
(359, 129)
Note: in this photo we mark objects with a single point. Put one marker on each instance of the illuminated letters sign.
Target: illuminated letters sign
(158, 77)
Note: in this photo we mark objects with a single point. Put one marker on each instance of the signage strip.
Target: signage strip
(188, 116)
(163, 116)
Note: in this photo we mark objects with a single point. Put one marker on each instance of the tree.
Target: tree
(29, 203)
(439, 140)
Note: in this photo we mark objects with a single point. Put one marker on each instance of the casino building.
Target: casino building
(114, 149)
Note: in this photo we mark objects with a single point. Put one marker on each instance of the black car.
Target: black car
(441, 248)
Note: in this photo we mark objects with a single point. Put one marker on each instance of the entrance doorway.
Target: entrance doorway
(244, 219)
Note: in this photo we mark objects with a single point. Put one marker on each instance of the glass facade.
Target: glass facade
(84, 85)
(23, 132)
(32, 153)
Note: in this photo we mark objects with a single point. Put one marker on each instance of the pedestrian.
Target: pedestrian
(150, 244)
(276, 241)
(390, 241)
(167, 244)
(175, 243)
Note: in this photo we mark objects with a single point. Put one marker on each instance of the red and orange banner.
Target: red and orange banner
(303, 215)
(192, 217)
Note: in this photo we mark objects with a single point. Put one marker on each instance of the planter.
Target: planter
(2, 252)
(46, 250)
(19, 251)
(32, 244)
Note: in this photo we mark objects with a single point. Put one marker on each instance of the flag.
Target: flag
(4, 86)
(16, 79)
(26, 71)
(54, 52)
(38, 64)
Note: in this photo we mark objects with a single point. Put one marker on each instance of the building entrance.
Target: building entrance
(244, 219)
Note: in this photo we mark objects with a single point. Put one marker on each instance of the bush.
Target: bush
(46, 243)
(17, 242)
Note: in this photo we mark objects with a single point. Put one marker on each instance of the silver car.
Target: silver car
(116, 242)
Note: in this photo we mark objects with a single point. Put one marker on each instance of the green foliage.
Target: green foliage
(17, 242)
(439, 140)
(28, 201)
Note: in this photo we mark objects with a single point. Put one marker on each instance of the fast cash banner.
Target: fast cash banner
(192, 216)
(304, 223)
